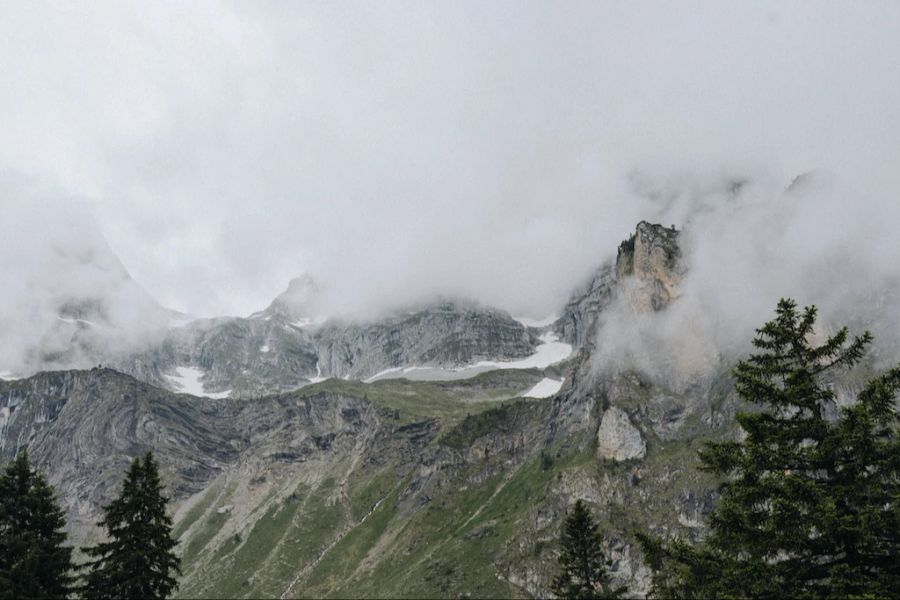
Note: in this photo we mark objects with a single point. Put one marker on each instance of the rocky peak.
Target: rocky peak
(651, 259)
(299, 301)
(648, 268)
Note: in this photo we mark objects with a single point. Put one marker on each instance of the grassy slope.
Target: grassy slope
(460, 542)
(289, 534)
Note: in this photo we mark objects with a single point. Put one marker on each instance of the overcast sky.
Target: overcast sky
(401, 149)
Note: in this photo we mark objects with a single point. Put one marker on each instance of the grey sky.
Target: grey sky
(397, 150)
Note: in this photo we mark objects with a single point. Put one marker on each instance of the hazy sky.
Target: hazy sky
(497, 150)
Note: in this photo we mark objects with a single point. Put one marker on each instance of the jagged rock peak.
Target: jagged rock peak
(652, 257)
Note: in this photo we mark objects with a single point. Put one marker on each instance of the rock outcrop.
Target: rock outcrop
(617, 438)
(647, 269)
(442, 335)
(578, 323)
(651, 258)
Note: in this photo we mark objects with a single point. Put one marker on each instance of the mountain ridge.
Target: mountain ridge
(406, 487)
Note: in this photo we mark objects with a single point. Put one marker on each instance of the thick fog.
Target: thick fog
(493, 150)
(746, 246)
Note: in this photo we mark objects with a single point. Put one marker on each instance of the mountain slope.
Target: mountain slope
(397, 487)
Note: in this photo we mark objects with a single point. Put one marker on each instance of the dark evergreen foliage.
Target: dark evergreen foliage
(582, 563)
(138, 560)
(811, 505)
(34, 563)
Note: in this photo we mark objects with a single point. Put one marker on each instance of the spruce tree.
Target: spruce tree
(138, 559)
(810, 505)
(34, 563)
(582, 563)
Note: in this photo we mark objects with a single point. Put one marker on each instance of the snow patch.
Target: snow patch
(72, 321)
(550, 352)
(188, 381)
(381, 374)
(545, 388)
(318, 378)
(528, 322)
(307, 322)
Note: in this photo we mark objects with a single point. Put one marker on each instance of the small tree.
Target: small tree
(810, 506)
(34, 563)
(582, 562)
(138, 560)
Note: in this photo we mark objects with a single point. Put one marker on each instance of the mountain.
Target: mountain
(649, 261)
(291, 343)
(276, 350)
(394, 487)
(82, 307)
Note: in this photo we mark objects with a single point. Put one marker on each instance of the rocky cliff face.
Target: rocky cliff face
(647, 269)
(578, 323)
(269, 352)
(443, 335)
(652, 258)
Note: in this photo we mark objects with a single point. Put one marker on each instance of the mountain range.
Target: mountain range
(431, 452)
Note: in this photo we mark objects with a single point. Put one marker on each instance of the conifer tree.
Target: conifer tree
(138, 559)
(582, 563)
(810, 506)
(34, 563)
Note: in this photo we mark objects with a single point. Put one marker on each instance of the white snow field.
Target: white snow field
(550, 352)
(305, 322)
(187, 381)
(545, 388)
(529, 322)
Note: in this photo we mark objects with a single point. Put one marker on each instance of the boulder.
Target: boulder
(617, 438)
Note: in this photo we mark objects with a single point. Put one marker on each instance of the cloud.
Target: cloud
(819, 242)
(65, 298)
(397, 151)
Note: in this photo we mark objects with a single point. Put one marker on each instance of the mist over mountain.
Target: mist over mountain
(387, 288)
(67, 300)
(744, 245)
(489, 152)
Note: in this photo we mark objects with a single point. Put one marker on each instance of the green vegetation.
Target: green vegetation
(498, 419)
(447, 401)
(34, 563)
(582, 564)
(288, 534)
(809, 507)
(197, 510)
(138, 560)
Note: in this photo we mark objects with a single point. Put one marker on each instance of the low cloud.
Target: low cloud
(497, 151)
(744, 247)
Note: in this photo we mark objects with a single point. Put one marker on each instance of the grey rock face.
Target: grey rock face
(652, 257)
(269, 353)
(444, 335)
(84, 427)
(299, 302)
(617, 438)
(249, 357)
(578, 323)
